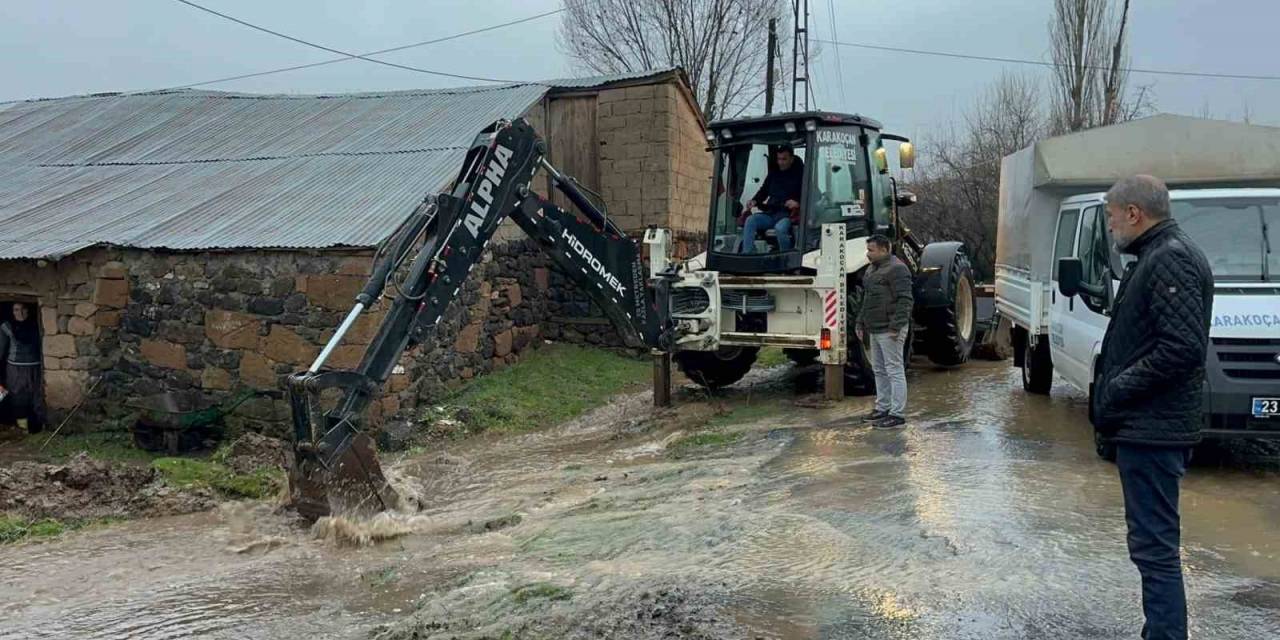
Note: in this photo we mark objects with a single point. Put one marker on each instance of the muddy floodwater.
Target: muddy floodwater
(989, 517)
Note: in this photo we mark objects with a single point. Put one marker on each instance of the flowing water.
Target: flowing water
(989, 517)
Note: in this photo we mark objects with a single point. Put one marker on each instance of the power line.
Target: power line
(369, 53)
(831, 12)
(1041, 63)
(338, 51)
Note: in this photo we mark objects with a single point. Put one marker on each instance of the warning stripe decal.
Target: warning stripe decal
(831, 307)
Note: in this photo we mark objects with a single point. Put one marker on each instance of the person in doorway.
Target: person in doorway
(885, 315)
(1146, 397)
(23, 402)
(779, 202)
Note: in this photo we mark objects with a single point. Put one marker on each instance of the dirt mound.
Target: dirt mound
(86, 488)
(253, 451)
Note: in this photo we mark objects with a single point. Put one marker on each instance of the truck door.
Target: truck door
(1085, 321)
(1064, 362)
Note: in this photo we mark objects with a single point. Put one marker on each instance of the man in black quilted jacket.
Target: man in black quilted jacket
(1147, 391)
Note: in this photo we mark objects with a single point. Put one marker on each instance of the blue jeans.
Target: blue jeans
(1149, 477)
(758, 222)
(890, 371)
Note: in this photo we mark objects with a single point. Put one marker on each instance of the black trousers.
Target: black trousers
(1149, 477)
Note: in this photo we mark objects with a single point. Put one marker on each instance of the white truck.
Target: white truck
(1224, 180)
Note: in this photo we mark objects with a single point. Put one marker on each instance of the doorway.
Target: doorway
(22, 364)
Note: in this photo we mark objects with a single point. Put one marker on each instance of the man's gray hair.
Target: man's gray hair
(1148, 193)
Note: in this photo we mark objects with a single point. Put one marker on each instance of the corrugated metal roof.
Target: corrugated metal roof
(213, 170)
(592, 82)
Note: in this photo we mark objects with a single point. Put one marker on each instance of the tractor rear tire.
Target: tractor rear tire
(801, 357)
(716, 369)
(951, 330)
(859, 379)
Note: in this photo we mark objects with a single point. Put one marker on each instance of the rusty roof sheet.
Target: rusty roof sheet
(190, 170)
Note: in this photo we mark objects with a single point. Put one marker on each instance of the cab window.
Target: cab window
(1066, 237)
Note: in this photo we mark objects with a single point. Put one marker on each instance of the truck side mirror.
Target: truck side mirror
(1070, 276)
(882, 160)
(1071, 280)
(906, 198)
(906, 155)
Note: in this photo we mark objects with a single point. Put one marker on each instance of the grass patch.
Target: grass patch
(771, 357)
(16, 529)
(108, 446)
(187, 473)
(13, 529)
(690, 444)
(540, 591)
(547, 387)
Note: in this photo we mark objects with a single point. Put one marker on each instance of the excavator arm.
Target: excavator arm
(422, 269)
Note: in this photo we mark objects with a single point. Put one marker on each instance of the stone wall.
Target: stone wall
(81, 301)
(128, 324)
(123, 325)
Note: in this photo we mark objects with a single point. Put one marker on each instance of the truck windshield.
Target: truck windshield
(1240, 236)
(840, 182)
(743, 172)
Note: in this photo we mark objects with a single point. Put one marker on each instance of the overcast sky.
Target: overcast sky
(55, 48)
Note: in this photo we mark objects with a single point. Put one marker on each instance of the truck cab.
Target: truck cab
(1239, 232)
(845, 180)
(794, 197)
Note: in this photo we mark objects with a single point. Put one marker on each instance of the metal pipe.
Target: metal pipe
(337, 337)
(566, 185)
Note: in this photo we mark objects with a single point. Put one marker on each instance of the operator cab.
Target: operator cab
(836, 170)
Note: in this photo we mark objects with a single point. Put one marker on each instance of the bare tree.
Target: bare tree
(1089, 43)
(719, 43)
(1117, 74)
(959, 179)
(1076, 33)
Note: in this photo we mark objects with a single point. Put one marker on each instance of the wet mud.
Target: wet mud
(756, 513)
(87, 489)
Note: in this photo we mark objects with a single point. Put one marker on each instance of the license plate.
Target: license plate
(1266, 407)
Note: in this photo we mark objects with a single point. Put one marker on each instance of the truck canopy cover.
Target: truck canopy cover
(1180, 150)
(1183, 151)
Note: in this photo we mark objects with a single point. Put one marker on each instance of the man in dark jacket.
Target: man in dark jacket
(779, 202)
(20, 378)
(886, 315)
(1147, 389)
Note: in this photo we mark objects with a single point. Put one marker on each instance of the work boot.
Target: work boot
(874, 416)
(890, 422)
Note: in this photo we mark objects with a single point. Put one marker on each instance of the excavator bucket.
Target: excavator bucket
(349, 483)
(338, 473)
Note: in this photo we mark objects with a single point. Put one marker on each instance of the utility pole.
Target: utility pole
(799, 49)
(768, 72)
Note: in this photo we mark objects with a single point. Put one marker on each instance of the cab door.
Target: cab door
(1066, 363)
(1085, 321)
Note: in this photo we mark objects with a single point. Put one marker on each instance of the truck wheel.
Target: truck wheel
(1037, 368)
(801, 357)
(859, 380)
(719, 368)
(951, 329)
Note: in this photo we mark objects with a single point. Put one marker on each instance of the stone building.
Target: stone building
(208, 243)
